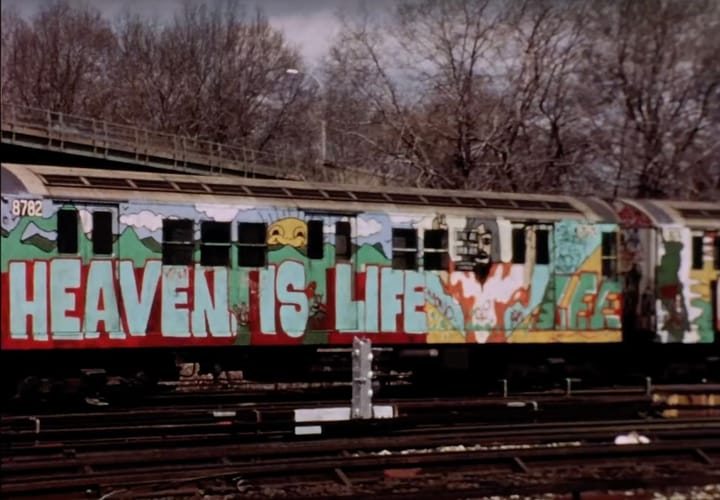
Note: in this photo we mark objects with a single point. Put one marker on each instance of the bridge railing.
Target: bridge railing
(146, 146)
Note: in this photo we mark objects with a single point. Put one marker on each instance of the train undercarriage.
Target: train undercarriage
(53, 376)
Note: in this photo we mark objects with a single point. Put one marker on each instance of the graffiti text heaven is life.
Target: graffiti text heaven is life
(112, 298)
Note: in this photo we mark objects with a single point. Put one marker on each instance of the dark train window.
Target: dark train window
(178, 242)
(102, 235)
(315, 249)
(67, 229)
(467, 244)
(542, 246)
(214, 243)
(343, 241)
(716, 250)
(404, 248)
(697, 252)
(518, 245)
(435, 250)
(252, 244)
(609, 254)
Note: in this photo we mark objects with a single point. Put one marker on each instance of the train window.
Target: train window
(343, 242)
(102, 236)
(609, 254)
(542, 246)
(467, 245)
(518, 245)
(435, 250)
(67, 230)
(178, 242)
(404, 248)
(252, 244)
(697, 252)
(716, 250)
(215, 243)
(315, 239)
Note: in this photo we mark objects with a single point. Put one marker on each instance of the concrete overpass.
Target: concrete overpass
(40, 136)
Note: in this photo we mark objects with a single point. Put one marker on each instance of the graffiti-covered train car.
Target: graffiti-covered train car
(670, 263)
(102, 259)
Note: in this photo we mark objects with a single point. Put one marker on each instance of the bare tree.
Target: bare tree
(60, 60)
(468, 93)
(539, 147)
(653, 95)
(614, 97)
(617, 97)
(11, 22)
(357, 93)
(211, 74)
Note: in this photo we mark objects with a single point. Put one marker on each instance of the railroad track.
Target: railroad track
(264, 421)
(359, 463)
(228, 413)
(261, 422)
(106, 449)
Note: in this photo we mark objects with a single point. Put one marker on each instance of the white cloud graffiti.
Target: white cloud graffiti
(368, 227)
(221, 213)
(145, 219)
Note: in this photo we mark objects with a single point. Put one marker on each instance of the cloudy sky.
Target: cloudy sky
(310, 25)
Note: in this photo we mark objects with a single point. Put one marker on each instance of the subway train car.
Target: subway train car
(116, 269)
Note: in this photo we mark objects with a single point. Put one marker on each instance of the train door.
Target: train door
(530, 249)
(99, 225)
(540, 269)
(637, 262)
(588, 286)
(331, 275)
(702, 283)
(577, 276)
(87, 245)
(674, 266)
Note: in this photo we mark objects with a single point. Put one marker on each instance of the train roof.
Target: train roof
(694, 214)
(125, 186)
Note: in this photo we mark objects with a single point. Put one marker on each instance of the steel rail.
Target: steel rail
(188, 406)
(698, 449)
(260, 418)
(430, 436)
(410, 438)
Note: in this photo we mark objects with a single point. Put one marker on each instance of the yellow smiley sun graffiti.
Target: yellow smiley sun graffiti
(287, 231)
